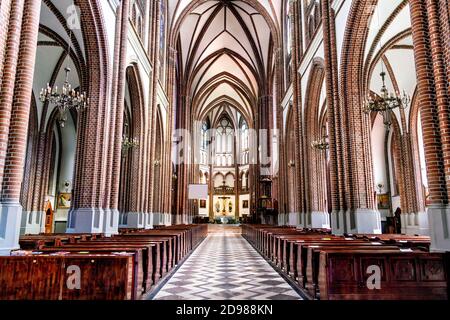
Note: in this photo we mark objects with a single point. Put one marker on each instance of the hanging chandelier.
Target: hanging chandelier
(321, 144)
(68, 98)
(386, 102)
(127, 144)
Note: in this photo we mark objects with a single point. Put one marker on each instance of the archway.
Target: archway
(316, 132)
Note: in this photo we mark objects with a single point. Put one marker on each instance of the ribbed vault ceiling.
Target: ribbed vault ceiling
(225, 50)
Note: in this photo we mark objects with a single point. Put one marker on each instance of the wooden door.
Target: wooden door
(48, 218)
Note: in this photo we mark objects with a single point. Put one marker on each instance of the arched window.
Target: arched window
(288, 29)
(224, 142)
(162, 37)
(134, 13)
(244, 143)
(204, 142)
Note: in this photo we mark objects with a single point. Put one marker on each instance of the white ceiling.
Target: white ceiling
(49, 52)
(399, 56)
(225, 50)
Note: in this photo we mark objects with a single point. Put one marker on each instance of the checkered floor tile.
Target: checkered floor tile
(226, 267)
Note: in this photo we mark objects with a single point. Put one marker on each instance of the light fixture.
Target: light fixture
(321, 144)
(291, 164)
(380, 187)
(386, 102)
(68, 98)
(157, 163)
(128, 144)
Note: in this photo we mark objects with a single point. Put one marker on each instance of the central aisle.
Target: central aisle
(226, 267)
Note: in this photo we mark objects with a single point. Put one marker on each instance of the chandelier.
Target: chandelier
(67, 99)
(321, 144)
(127, 144)
(386, 102)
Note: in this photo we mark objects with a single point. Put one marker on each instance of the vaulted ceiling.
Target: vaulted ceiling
(51, 56)
(225, 50)
(389, 48)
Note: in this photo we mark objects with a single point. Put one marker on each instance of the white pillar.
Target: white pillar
(320, 220)
(86, 220)
(10, 217)
(359, 221)
(111, 222)
(439, 220)
(31, 222)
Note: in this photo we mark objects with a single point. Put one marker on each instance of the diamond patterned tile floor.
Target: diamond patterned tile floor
(226, 267)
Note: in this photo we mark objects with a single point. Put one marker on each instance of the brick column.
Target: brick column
(111, 211)
(111, 114)
(10, 208)
(433, 98)
(334, 118)
(171, 82)
(153, 210)
(5, 11)
(358, 190)
(89, 191)
(8, 73)
(299, 218)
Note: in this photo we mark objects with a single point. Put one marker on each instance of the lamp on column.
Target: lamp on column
(321, 144)
(66, 99)
(127, 144)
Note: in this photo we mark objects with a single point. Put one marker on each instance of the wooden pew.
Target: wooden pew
(45, 277)
(145, 260)
(151, 254)
(313, 259)
(404, 275)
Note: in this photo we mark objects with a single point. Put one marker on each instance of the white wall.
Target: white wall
(378, 136)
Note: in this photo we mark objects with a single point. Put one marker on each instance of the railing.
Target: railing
(221, 190)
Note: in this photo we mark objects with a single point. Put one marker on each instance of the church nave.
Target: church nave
(226, 267)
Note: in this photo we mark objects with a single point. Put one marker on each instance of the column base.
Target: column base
(111, 222)
(320, 220)
(159, 219)
(359, 221)
(293, 219)
(135, 220)
(338, 222)
(86, 220)
(367, 221)
(31, 222)
(415, 223)
(148, 218)
(282, 221)
(10, 218)
(439, 218)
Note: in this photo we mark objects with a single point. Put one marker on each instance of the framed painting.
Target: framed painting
(64, 200)
(203, 204)
(245, 204)
(383, 201)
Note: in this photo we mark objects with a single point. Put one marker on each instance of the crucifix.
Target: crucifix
(224, 198)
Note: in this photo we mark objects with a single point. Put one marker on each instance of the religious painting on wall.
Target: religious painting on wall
(245, 204)
(217, 206)
(64, 200)
(383, 201)
(203, 204)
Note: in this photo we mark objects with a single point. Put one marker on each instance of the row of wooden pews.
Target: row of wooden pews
(329, 267)
(94, 267)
